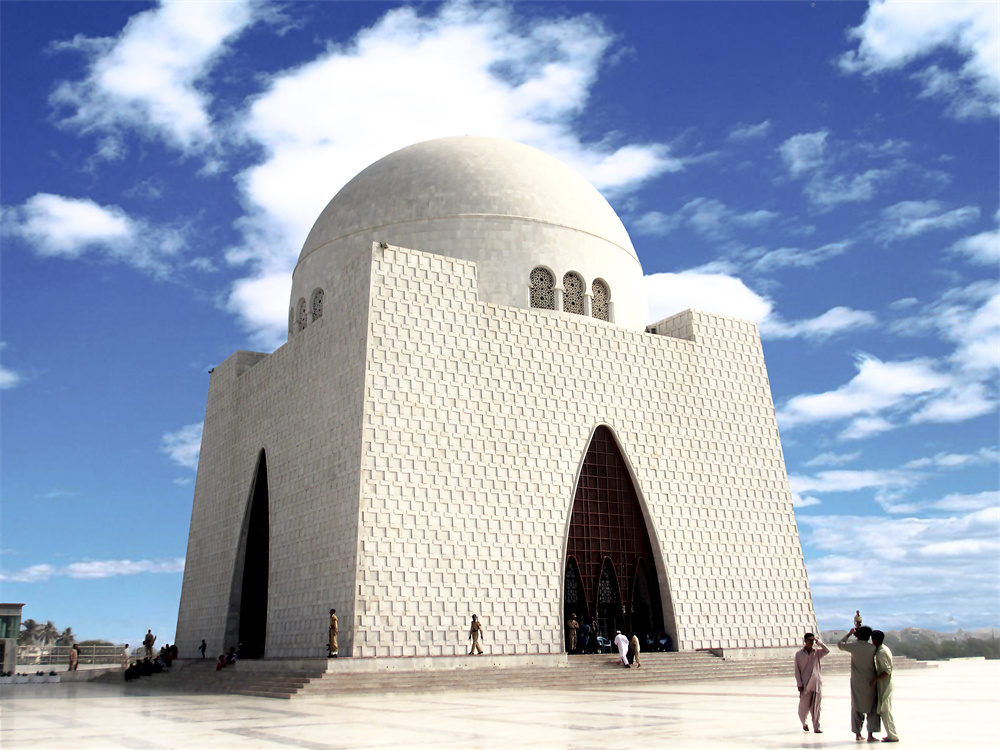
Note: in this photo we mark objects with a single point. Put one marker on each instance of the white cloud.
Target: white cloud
(911, 218)
(834, 321)
(92, 569)
(184, 445)
(794, 257)
(983, 248)
(840, 480)
(878, 386)
(964, 503)
(148, 77)
(804, 502)
(863, 427)
(804, 152)
(896, 34)
(827, 191)
(320, 123)
(833, 459)
(985, 455)
(70, 228)
(744, 132)
(723, 294)
(706, 216)
(8, 378)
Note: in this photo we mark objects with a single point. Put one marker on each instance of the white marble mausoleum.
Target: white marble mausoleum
(472, 414)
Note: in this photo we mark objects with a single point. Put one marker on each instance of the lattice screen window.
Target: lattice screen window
(303, 317)
(543, 294)
(573, 289)
(317, 304)
(600, 304)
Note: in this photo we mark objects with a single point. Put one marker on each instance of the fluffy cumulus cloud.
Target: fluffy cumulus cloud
(92, 569)
(907, 563)
(721, 293)
(981, 249)
(320, 123)
(897, 35)
(183, 446)
(57, 226)
(804, 152)
(148, 77)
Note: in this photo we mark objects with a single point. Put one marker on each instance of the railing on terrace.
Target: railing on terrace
(60, 654)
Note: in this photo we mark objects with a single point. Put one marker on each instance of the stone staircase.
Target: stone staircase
(318, 677)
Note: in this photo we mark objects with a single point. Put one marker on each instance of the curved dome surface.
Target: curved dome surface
(503, 205)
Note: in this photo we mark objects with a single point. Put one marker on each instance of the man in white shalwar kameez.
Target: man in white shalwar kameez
(622, 643)
(862, 673)
(883, 681)
(809, 679)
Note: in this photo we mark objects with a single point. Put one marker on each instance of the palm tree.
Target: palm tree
(28, 634)
(49, 633)
(68, 638)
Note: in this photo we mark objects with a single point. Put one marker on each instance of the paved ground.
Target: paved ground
(955, 704)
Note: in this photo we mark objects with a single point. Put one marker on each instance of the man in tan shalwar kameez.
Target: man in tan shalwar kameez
(333, 633)
(883, 680)
(863, 695)
(809, 679)
(571, 628)
(475, 631)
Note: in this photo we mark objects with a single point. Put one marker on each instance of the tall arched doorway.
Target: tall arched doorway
(246, 626)
(609, 549)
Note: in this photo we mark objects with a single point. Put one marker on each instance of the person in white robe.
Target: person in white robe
(125, 656)
(809, 679)
(621, 642)
(883, 681)
(862, 653)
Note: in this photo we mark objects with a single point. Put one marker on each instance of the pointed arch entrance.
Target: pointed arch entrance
(609, 552)
(246, 625)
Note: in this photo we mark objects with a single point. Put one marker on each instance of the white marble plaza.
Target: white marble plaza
(956, 704)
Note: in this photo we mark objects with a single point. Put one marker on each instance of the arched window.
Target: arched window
(573, 289)
(303, 317)
(317, 304)
(600, 305)
(543, 294)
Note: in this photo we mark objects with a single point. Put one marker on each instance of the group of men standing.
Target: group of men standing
(871, 681)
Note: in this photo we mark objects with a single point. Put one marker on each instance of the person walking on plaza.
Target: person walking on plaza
(635, 651)
(571, 629)
(203, 647)
(862, 673)
(621, 643)
(148, 642)
(74, 658)
(475, 633)
(332, 646)
(883, 681)
(809, 679)
(125, 656)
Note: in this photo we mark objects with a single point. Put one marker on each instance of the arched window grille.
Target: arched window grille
(573, 289)
(600, 304)
(543, 294)
(303, 317)
(317, 304)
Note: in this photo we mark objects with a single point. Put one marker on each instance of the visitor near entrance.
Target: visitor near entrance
(863, 695)
(809, 678)
(883, 681)
(125, 656)
(621, 643)
(635, 651)
(203, 647)
(332, 647)
(571, 632)
(475, 632)
(148, 642)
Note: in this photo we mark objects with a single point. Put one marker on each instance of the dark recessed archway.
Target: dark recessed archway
(247, 622)
(610, 545)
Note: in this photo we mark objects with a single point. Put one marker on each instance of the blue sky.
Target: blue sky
(829, 170)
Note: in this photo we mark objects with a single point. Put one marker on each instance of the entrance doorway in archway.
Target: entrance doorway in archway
(609, 548)
(248, 602)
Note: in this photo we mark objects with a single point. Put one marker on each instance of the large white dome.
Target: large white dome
(505, 206)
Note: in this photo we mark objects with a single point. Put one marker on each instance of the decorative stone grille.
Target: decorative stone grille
(303, 318)
(573, 289)
(543, 294)
(317, 304)
(600, 304)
